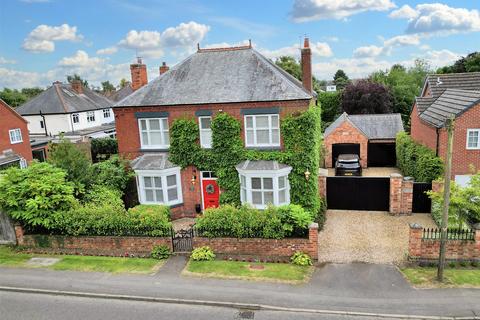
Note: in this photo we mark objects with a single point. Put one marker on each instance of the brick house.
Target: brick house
(238, 81)
(370, 136)
(446, 95)
(14, 139)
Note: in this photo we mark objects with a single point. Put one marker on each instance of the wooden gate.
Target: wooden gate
(421, 201)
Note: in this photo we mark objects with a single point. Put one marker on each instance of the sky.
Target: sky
(42, 41)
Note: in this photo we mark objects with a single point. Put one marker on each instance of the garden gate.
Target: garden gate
(182, 240)
(421, 201)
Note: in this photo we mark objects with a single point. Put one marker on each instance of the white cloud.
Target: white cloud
(107, 51)
(6, 61)
(440, 58)
(153, 43)
(310, 10)
(80, 59)
(388, 45)
(405, 12)
(402, 40)
(435, 18)
(43, 37)
(319, 49)
(368, 51)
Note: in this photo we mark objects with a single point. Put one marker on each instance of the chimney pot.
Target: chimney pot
(163, 68)
(77, 86)
(306, 43)
(138, 72)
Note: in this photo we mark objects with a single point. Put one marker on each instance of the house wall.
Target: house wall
(57, 123)
(346, 133)
(9, 119)
(129, 139)
(422, 132)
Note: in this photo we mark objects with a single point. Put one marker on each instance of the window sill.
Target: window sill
(266, 148)
(15, 142)
(153, 150)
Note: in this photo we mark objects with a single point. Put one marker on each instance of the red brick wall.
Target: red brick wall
(9, 119)
(401, 195)
(422, 132)
(262, 248)
(423, 249)
(191, 194)
(96, 246)
(346, 133)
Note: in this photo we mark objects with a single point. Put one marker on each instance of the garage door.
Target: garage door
(344, 148)
(381, 155)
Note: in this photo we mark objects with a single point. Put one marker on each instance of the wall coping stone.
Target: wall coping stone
(395, 175)
(313, 225)
(415, 226)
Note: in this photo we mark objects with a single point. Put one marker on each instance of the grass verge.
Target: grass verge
(10, 258)
(426, 277)
(278, 272)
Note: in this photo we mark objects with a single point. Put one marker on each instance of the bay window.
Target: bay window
(160, 187)
(154, 133)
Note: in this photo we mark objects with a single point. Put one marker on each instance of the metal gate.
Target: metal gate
(358, 193)
(182, 240)
(381, 155)
(421, 201)
(344, 148)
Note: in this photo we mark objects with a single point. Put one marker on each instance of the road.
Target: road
(20, 306)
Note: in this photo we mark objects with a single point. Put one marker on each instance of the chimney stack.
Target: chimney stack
(164, 68)
(77, 86)
(307, 65)
(139, 74)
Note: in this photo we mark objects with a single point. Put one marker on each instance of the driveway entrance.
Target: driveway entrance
(366, 236)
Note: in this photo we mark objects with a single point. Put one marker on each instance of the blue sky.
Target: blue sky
(44, 40)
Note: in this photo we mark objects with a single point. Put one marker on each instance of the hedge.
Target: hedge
(416, 160)
(247, 222)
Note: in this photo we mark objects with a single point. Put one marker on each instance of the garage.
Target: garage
(344, 148)
(381, 154)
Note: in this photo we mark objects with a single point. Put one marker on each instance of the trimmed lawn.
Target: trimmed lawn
(10, 258)
(241, 270)
(426, 277)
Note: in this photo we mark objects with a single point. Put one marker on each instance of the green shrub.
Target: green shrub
(113, 173)
(160, 252)
(416, 160)
(301, 259)
(103, 148)
(203, 254)
(36, 196)
(247, 222)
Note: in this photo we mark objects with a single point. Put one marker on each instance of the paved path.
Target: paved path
(366, 236)
(346, 287)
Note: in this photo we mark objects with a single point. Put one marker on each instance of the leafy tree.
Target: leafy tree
(70, 158)
(330, 104)
(75, 76)
(470, 63)
(114, 173)
(294, 68)
(366, 97)
(107, 86)
(36, 196)
(103, 148)
(32, 92)
(13, 97)
(341, 79)
(123, 83)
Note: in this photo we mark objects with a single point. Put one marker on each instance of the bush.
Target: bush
(203, 254)
(247, 222)
(160, 252)
(416, 160)
(114, 173)
(36, 196)
(103, 148)
(301, 259)
(111, 219)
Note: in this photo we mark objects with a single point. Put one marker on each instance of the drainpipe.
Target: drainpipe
(44, 123)
(437, 130)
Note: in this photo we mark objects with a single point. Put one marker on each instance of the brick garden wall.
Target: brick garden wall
(95, 246)
(427, 249)
(268, 249)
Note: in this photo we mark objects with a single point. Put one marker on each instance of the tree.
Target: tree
(70, 158)
(330, 106)
(107, 86)
(32, 92)
(13, 97)
(294, 68)
(36, 196)
(75, 76)
(470, 63)
(340, 79)
(114, 173)
(366, 97)
(123, 83)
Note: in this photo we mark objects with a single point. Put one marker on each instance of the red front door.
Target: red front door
(211, 193)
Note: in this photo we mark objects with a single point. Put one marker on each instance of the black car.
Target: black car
(348, 165)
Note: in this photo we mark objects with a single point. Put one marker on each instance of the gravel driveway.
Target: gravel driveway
(366, 236)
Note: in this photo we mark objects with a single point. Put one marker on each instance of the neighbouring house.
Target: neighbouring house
(69, 108)
(444, 96)
(370, 136)
(15, 147)
(238, 81)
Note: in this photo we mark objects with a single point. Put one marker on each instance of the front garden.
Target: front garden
(461, 274)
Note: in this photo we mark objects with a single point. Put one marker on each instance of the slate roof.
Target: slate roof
(121, 93)
(261, 165)
(219, 76)
(438, 83)
(152, 161)
(61, 98)
(450, 102)
(8, 156)
(373, 126)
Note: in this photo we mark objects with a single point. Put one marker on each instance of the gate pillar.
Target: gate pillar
(401, 194)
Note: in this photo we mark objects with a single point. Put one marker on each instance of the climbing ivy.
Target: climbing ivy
(301, 135)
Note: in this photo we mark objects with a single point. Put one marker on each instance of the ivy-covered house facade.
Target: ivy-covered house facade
(226, 125)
